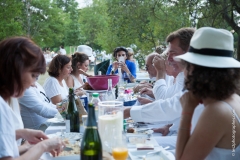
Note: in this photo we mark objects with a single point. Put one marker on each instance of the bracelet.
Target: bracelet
(187, 113)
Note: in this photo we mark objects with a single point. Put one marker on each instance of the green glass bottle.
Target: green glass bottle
(91, 146)
(72, 116)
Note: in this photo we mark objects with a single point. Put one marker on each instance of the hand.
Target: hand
(137, 88)
(115, 65)
(147, 91)
(189, 101)
(33, 136)
(79, 92)
(124, 67)
(144, 100)
(53, 145)
(164, 130)
(126, 113)
(84, 73)
(159, 63)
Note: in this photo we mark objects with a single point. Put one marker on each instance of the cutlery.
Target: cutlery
(67, 149)
(154, 152)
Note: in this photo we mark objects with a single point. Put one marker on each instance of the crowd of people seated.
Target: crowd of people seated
(194, 97)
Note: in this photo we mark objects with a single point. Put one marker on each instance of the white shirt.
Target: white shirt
(158, 111)
(18, 123)
(77, 83)
(166, 88)
(63, 51)
(8, 143)
(53, 88)
(163, 109)
(36, 108)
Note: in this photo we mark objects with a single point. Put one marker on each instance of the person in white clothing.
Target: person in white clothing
(152, 71)
(62, 50)
(168, 106)
(21, 56)
(80, 64)
(167, 109)
(36, 107)
(55, 86)
(212, 77)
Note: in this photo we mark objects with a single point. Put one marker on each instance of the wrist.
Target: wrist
(43, 146)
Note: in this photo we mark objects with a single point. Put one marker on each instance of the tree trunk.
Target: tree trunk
(238, 46)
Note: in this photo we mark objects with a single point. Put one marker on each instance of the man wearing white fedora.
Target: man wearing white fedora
(212, 77)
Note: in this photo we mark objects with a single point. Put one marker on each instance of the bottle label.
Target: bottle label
(92, 127)
(67, 125)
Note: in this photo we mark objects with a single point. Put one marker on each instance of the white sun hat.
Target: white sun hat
(211, 47)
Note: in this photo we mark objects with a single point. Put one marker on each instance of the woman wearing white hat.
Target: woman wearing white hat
(212, 77)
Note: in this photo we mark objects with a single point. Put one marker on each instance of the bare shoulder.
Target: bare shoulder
(69, 81)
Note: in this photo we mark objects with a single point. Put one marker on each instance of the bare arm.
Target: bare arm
(206, 134)
(69, 81)
(56, 99)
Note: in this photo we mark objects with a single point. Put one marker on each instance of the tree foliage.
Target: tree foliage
(106, 24)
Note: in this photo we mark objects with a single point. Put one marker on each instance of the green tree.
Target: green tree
(10, 24)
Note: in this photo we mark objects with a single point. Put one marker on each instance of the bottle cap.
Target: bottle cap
(95, 94)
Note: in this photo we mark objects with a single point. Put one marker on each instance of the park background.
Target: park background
(106, 24)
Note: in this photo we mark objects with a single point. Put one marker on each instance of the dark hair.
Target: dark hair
(78, 57)
(118, 49)
(184, 35)
(216, 83)
(57, 63)
(18, 55)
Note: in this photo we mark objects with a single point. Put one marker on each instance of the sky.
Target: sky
(83, 3)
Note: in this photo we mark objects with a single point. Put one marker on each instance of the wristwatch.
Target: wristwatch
(112, 71)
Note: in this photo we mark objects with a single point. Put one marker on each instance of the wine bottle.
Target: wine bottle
(109, 94)
(72, 116)
(91, 146)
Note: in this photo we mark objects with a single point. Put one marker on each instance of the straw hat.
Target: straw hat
(211, 47)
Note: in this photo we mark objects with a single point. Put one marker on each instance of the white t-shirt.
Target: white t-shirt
(18, 123)
(53, 88)
(8, 144)
(63, 51)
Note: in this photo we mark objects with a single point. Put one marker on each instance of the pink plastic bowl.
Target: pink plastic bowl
(101, 82)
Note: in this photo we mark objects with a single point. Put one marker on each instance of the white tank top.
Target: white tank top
(226, 154)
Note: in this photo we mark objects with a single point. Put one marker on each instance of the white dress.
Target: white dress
(8, 144)
(226, 154)
(53, 88)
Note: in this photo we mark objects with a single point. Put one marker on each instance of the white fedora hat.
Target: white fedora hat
(211, 47)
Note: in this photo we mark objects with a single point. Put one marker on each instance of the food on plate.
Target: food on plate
(75, 148)
(130, 130)
(137, 140)
(129, 121)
